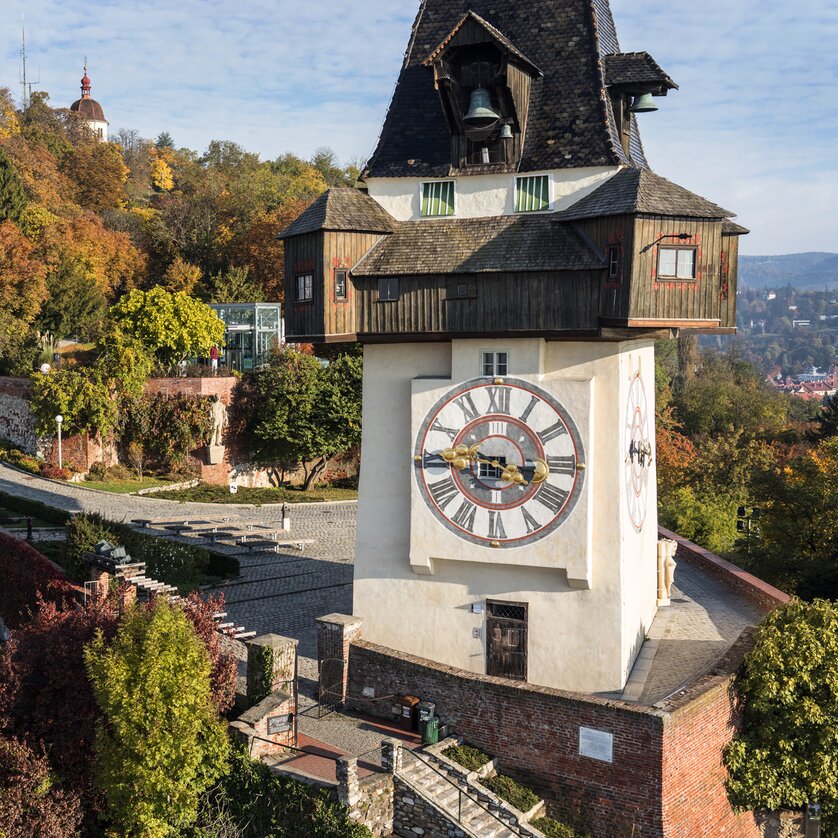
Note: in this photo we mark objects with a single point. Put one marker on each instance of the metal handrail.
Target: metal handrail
(503, 823)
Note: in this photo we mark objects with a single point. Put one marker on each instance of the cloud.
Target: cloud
(752, 127)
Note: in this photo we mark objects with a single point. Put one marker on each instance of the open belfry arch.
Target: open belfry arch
(507, 266)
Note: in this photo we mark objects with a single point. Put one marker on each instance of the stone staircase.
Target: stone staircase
(472, 812)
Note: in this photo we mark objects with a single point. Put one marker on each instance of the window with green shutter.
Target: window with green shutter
(532, 194)
(437, 198)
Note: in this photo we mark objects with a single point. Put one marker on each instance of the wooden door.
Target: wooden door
(506, 640)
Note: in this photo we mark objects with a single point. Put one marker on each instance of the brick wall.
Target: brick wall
(694, 800)
(764, 596)
(222, 386)
(534, 731)
(666, 779)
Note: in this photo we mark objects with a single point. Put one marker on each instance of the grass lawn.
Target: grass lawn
(205, 493)
(124, 487)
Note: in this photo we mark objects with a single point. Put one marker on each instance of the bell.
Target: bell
(643, 104)
(480, 113)
(506, 132)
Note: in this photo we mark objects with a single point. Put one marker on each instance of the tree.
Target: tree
(787, 751)
(828, 419)
(234, 286)
(43, 685)
(162, 744)
(306, 413)
(13, 198)
(99, 173)
(75, 305)
(181, 276)
(31, 802)
(164, 140)
(172, 327)
(797, 547)
(78, 395)
(22, 287)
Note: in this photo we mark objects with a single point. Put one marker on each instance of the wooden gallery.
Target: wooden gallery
(507, 266)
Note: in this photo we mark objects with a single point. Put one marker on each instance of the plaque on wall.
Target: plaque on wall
(279, 724)
(596, 744)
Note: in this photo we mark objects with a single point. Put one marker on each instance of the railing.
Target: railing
(460, 794)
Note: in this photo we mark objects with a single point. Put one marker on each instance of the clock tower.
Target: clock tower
(507, 267)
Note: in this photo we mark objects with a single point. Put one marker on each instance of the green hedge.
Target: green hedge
(34, 508)
(512, 792)
(555, 829)
(467, 755)
(183, 565)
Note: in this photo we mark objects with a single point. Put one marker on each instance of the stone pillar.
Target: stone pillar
(271, 666)
(346, 773)
(335, 633)
(127, 594)
(391, 755)
(102, 579)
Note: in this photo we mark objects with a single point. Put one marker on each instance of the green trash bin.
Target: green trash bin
(430, 730)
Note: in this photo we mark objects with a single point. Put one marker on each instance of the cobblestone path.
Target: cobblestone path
(276, 592)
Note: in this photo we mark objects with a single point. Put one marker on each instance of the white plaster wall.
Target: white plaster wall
(581, 640)
(483, 196)
(97, 125)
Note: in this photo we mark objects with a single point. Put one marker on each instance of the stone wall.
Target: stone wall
(369, 799)
(413, 816)
(16, 422)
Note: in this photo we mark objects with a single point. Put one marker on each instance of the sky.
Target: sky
(754, 126)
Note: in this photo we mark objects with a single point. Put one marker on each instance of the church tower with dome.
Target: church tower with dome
(90, 110)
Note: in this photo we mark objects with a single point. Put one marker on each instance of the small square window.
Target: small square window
(676, 262)
(495, 364)
(340, 285)
(532, 194)
(388, 289)
(614, 262)
(489, 472)
(305, 288)
(437, 198)
(462, 290)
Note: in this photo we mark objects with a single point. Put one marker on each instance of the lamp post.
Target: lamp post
(58, 420)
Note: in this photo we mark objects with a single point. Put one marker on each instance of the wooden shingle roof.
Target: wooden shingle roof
(633, 191)
(510, 243)
(342, 208)
(635, 68)
(570, 123)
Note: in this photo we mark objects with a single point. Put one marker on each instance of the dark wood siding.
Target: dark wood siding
(729, 279)
(503, 303)
(341, 251)
(606, 232)
(676, 301)
(304, 254)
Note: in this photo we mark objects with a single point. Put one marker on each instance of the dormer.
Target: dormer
(633, 80)
(484, 83)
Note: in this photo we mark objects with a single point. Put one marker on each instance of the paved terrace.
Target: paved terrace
(284, 592)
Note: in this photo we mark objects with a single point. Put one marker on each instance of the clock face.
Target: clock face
(638, 448)
(499, 462)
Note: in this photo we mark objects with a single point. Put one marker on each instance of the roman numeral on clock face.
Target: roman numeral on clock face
(496, 529)
(552, 432)
(431, 460)
(562, 465)
(438, 426)
(465, 515)
(466, 404)
(530, 408)
(531, 524)
(554, 499)
(499, 398)
(443, 492)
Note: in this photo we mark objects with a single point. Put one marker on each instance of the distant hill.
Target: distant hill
(801, 270)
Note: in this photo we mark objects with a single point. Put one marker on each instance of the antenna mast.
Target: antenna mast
(24, 83)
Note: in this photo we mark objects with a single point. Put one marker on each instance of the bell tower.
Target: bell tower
(90, 110)
(507, 267)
